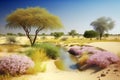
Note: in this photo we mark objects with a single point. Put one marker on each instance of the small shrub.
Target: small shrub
(51, 50)
(64, 39)
(59, 64)
(15, 64)
(83, 59)
(11, 40)
(37, 54)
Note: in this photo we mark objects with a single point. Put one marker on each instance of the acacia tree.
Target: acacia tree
(102, 24)
(34, 17)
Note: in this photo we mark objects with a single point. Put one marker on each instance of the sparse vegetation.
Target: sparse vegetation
(60, 64)
(51, 50)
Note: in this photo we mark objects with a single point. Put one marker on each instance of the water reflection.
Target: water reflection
(69, 60)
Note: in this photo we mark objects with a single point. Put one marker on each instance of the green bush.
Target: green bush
(51, 50)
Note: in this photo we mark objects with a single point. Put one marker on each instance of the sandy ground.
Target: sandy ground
(109, 46)
(109, 73)
(52, 73)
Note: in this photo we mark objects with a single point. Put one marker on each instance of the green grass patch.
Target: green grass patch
(51, 50)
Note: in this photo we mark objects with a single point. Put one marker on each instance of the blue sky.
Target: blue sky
(74, 14)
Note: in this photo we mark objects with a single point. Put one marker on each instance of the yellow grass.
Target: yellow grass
(59, 64)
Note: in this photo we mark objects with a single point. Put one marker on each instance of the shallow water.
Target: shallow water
(69, 60)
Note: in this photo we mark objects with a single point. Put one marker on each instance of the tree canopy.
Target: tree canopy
(57, 34)
(36, 17)
(90, 34)
(102, 24)
(73, 33)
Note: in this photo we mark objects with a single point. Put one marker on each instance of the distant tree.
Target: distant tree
(43, 34)
(73, 33)
(38, 18)
(102, 25)
(20, 34)
(57, 34)
(106, 35)
(90, 34)
(11, 34)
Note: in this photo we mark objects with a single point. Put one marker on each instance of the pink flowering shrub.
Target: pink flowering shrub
(15, 64)
(76, 50)
(96, 56)
(103, 59)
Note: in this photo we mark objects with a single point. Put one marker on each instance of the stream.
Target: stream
(69, 60)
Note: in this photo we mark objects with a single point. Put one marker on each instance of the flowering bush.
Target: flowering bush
(15, 64)
(75, 50)
(97, 57)
(103, 59)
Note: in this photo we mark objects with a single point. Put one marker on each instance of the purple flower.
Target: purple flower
(15, 64)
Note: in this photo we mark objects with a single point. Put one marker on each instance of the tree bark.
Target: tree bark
(101, 35)
(27, 31)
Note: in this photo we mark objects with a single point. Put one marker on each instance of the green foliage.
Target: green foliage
(11, 34)
(36, 17)
(37, 54)
(102, 24)
(73, 33)
(57, 34)
(21, 34)
(51, 50)
(106, 35)
(59, 64)
(90, 34)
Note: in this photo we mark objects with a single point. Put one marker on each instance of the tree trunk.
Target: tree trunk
(27, 34)
(33, 42)
(101, 35)
(27, 31)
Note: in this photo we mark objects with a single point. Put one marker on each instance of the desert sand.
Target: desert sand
(52, 73)
(109, 46)
(110, 73)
